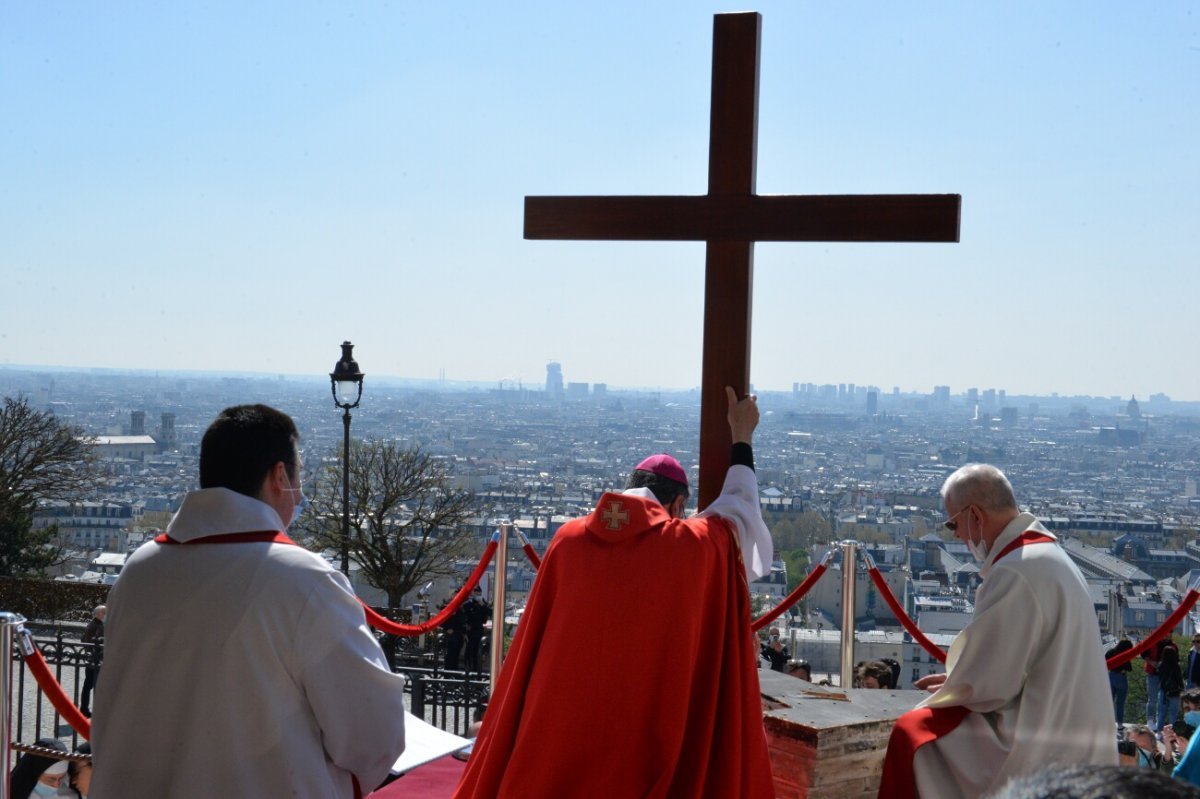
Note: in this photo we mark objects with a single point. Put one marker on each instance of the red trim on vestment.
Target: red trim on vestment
(261, 537)
(912, 731)
(1025, 539)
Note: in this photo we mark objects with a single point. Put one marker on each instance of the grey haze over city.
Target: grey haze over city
(1116, 477)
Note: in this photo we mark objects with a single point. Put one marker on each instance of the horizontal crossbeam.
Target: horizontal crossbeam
(742, 217)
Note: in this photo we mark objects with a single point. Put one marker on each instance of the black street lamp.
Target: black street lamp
(346, 381)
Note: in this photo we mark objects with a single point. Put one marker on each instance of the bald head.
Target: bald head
(982, 485)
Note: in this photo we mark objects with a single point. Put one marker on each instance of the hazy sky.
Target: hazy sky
(236, 186)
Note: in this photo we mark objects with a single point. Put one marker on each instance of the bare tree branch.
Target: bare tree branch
(405, 519)
(40, 458)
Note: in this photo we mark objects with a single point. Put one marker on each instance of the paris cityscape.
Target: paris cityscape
(1115, 476)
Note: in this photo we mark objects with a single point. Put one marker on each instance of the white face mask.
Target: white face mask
(979, 549)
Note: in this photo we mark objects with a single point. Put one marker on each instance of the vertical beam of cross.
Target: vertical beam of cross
(729, 265)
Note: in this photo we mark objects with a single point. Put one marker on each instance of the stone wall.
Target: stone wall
(825, 742)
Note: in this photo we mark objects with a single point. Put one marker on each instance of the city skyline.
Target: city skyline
(991, 396)
(241, 189)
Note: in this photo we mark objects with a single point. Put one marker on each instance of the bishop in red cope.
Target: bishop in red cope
(633, 672)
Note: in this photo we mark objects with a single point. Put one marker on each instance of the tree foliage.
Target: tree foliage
(798, 531)
(406, 522)
(40, 458)
(795, 537)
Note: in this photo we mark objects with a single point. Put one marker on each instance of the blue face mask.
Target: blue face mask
(1192, 717)
(300, 505)
(299, 509)
(42, 789)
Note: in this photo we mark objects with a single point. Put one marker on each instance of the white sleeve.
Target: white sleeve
(738, 502)
(357, 700)
(981, 675)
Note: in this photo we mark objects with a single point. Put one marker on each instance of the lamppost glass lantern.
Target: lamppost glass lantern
(347, 383)
(346, 379)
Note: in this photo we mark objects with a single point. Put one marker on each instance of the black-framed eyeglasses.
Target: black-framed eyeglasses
(952, 525)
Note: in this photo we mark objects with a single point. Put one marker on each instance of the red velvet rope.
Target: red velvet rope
(1163, 629)
(1115, 661)
(532, 554)
(790, 599)
(395, 628)
(929, 646)
(53, 690)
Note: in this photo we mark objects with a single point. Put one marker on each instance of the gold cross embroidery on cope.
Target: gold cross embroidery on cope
(615, 516)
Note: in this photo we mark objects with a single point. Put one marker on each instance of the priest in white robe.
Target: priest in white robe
(1026, 683)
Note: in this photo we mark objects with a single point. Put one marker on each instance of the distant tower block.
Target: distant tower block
(137, 423)
(872, 403)
(554, 380)
(168, 431)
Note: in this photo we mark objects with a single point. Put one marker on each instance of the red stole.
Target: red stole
(918, 727)
(262, 537)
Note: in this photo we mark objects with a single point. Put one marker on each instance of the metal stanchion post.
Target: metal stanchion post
(10, 625)
(500, 562)
(849, 561)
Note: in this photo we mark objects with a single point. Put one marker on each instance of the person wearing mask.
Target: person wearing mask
(1023, 677)
(236, 662)
(1149, 754)
(39, 774)
(1188, 768)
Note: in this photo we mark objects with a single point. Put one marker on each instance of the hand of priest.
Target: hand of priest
(930, 682)
(743, 415)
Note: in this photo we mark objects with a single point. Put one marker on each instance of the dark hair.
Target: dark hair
(664, 489)
(1191, 695)
(798, 664)
(1096, 782)
(243, 444)
(882, 672)
(30, 766)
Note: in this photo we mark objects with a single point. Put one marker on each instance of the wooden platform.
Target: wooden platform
(826, 742)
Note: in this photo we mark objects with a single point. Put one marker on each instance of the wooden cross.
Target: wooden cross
(730, 218)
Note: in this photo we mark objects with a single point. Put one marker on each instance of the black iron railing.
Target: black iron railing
(33, 715)
(446, 699)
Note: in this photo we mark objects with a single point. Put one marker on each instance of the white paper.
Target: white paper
(424, 742)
